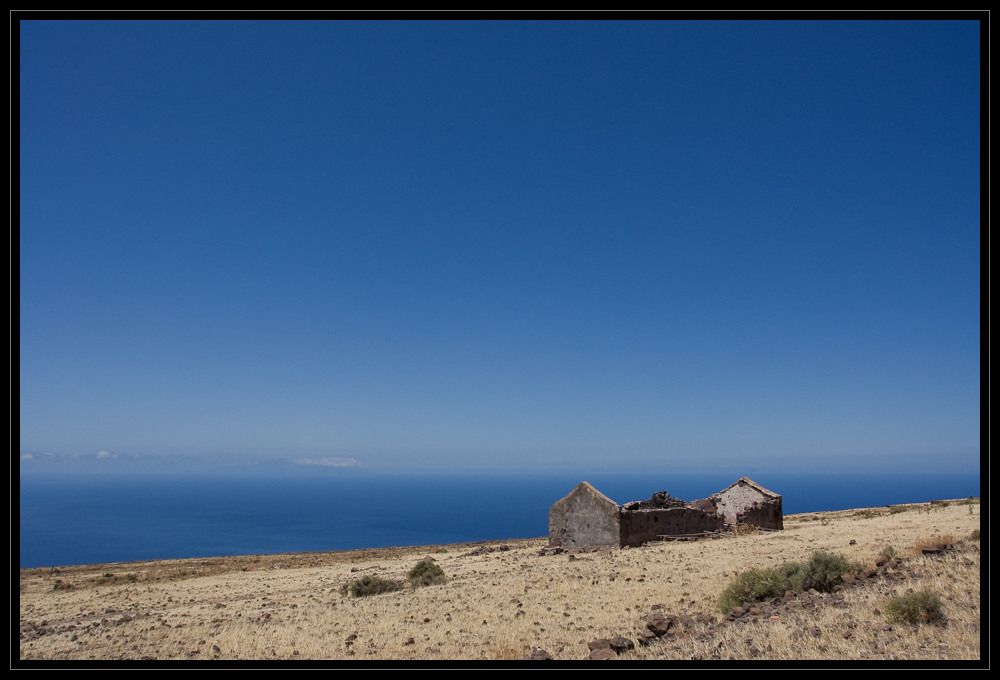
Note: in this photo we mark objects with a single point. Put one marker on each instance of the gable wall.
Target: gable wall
(743, 504)
(582, 520)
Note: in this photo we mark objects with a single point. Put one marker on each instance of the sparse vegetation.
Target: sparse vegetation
(745, 530)
(109, 579)
(822, 571)
(919, 607)
(752, 585)
(426, 573)
(933, 541)
(887, 553)
(372, 585)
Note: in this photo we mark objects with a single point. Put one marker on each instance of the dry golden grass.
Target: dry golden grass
(502, 603)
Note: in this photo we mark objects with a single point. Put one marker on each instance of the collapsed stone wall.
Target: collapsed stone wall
(660, 500)
(763, 515)
(640, 526)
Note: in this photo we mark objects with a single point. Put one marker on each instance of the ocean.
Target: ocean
(90, 519)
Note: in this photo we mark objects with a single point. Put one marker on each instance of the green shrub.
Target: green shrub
(887, 553)
(920, 607)
(372, 585)
(753, 585)
(426, 573)
(823, 571)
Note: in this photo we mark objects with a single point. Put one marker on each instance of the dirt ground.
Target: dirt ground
(509, 599)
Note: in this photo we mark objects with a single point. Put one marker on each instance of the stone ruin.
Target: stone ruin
(586, 518)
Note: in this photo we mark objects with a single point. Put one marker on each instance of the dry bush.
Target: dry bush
(426, 573)
(752, 585)
(933, 541)
(918, 607)
(370, 585)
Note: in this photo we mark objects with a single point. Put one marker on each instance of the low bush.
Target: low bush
(919, 607)
(371, 585)
(753, 585)
(822, 572)
(745, 530)
(109, 579)
(426, 573)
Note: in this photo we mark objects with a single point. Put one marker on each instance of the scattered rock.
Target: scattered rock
(621, 644)
(602, 655)
(659, 624)
(647, 637)
(537, 654)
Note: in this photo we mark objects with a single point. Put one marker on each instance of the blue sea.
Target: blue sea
(90, 519)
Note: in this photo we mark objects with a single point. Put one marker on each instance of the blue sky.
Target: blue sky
(502, 245)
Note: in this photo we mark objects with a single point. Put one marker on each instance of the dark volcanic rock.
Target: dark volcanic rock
(602, 655)
(621, 644)
(659, 624)
(537, 654)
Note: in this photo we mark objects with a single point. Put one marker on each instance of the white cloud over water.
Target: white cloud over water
(328, 462)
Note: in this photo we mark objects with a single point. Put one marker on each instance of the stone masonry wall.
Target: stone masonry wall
(743, 504)
(642, 526)
(765, 515)
(584, 520)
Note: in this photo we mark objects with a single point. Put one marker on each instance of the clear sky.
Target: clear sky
(502, 244)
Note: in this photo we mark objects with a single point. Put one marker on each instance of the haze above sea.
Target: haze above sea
(89, 519)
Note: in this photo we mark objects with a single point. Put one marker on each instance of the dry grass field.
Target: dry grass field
(504, 599)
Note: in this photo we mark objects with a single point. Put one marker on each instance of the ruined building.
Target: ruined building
(586, 518)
